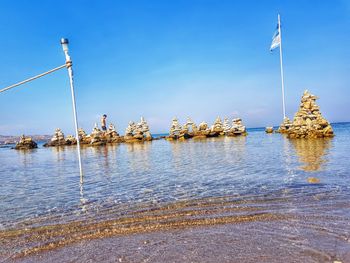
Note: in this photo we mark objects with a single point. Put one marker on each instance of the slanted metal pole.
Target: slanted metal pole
(64, 43)
(32, 78)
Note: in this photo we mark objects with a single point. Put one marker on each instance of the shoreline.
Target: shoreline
(231, 229)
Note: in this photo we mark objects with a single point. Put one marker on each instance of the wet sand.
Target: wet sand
(256, 229)
(244, 242)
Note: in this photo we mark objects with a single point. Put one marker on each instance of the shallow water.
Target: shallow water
(260, 180)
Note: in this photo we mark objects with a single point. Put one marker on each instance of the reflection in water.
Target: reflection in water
(234, 152)
(139, 156)
(312, 152)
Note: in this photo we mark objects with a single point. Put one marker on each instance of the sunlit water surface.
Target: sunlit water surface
(160, 185)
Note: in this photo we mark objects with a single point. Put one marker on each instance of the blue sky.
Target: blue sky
(160, 59)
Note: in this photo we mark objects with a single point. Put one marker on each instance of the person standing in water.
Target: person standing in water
(103, 122)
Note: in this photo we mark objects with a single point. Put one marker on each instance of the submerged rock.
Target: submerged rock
(308, 122)
(269, 129)
(25, 143)
(313, 180)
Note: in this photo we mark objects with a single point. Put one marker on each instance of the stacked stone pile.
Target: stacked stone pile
(71, 140)
(285, 125)
(308, 122)
(112, 136)
(227, 127)
(83, 137)
(130, 132)
(138, 132)
(203, 130)
(237, 128)
(26, 143)
(217, 128)
(143, 126)
(57, 139)
(97, 137)
(175, 130)
(189, 129)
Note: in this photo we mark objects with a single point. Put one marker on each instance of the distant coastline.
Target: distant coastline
(12, 139)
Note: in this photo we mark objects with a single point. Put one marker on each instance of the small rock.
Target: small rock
(313, 180)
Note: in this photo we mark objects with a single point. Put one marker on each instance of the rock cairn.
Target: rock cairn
(145, 129)
(308, 122)
(175, 130)
(217, 128)
(203, 130)
(57, 139)
(25, 143)
(71, 140)
(189, 129)
(285, 125)
(97, 137)
(83, 137)
(112, 135)
(227, 127)
(138, 132)
(237, 128)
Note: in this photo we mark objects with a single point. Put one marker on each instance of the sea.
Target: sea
(255, 198)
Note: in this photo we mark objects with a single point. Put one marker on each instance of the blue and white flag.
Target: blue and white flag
(276, 39)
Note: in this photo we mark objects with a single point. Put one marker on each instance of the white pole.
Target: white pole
(64, 43)
(281, 62)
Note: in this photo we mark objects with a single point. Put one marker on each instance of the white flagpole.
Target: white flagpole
(281, 62)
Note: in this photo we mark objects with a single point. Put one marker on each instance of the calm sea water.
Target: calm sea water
(42, 187)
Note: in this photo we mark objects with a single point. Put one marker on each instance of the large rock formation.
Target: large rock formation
(308, 122)
(25, 143)
(57, 139)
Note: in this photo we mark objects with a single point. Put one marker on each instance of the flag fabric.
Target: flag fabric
(276, 39)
